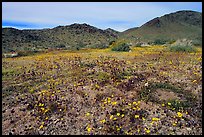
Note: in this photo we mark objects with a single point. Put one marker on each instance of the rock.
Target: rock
(179, 133)
(41, 132)
(10, 133)
(12, 111)
(189, 129)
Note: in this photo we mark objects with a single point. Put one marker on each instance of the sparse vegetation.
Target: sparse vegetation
(159, 42)
(182, 48)
(102, 82)
(98, 91)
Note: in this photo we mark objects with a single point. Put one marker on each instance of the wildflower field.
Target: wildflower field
(149, 90)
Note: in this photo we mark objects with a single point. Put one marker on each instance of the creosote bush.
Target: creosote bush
(121, 47)
(182, 45)
(182, 48)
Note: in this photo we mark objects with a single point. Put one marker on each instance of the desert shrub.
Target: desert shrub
(78, 46)
(26, 53)
(121, 47)
(99, 46)
(197, 42)
(159, 42)
(171, 41)
(61, 46)
(182, 45)
(182, 48)
(111, 42)
(179, 105)
(139, 44)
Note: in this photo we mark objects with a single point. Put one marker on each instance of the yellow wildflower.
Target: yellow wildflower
(111, 116)
(155, 119)
(137, 116)
(179, 114)
(122, 115)
(163, 105)
(138, 130)
(143, 118)
(97, 86)
(148, 131)
(41, 105)
(46, 110)
(103, 121)
(89, 129)
(87, 114)
(114, 118)
(118, 114)
(134, 103)
(114, 103)
(169, 103)
(134, 108)
(43, 109)
(41, 127)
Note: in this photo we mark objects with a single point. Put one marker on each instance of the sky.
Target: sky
(116, 15)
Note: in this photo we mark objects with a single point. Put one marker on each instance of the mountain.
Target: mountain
(170, 27)
(173, 26)
(112, 31)
(68, 37)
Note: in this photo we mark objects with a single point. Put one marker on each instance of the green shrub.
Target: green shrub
(61, 46)
(27, 53)
(182, 48)
(139, 44)
(99, 46)
(171, 41)
(121, 47)
(111, 42)
(197, 42)
(159, 42)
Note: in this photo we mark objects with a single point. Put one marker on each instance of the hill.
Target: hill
(168, 28)
(173, 26)
(66, 37)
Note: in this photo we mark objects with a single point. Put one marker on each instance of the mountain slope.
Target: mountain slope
(71, 36)
(173, 26)
(178, 25)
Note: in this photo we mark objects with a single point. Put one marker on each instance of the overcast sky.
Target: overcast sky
(117, 15)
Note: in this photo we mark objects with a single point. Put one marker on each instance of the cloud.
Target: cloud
(100, 14)
(19, 24)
